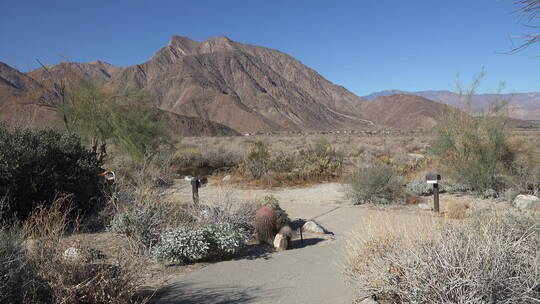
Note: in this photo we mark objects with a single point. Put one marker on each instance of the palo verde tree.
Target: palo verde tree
(101, 115)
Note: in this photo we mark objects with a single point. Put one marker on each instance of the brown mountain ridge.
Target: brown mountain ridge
(240, 87)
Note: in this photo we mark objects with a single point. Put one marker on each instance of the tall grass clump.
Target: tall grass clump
(475, 148)
(491, 258)
(379, 184)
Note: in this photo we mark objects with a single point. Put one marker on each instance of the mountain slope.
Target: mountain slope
(226, 87)
(522, 105)
(401, 111)
(245, 87)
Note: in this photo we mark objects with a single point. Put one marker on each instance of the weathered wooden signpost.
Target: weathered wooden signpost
(434, 179)
(196, 183)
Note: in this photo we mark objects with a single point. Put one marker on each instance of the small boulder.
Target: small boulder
(227, 178)
(424, 206)
(530, 202)
(313, 227)
(280, 242)
(72, 254)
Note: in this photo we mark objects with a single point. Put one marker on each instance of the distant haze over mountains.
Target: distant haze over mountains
(220, 87)
(522, 105)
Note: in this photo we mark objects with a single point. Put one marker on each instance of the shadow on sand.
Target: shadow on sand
(193, 293)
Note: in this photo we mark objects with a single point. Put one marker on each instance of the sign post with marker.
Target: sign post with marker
(434, 179)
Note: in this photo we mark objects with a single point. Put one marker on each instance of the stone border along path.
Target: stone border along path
(312, 274)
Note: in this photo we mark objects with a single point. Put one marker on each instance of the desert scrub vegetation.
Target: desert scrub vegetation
(38, 266)
(490, 258)
(379, 184)
(172, 232)
(37, 165)
(476, 148)
(319, 161)
(188, 160)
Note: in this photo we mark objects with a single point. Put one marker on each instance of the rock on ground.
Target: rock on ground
(280, 242)
(424, 206)
(72, 254)
(368, 301)
(313, 227)
(527, 202)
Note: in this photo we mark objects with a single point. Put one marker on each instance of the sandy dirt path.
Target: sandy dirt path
(310, 274)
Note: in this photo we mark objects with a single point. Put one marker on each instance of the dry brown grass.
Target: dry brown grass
(84, 276)
(491, 257)
(458, 210)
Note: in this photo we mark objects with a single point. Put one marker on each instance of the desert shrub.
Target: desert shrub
(207, 162)
(319, 160)
(475, 148)
(19, 283)
(74, 279)
(142, 224)
(189, 244)
(491, 258)
(422, 188)
(136, 207)
(239, 215)
(378, 184)
(257, 162)
(37, 165)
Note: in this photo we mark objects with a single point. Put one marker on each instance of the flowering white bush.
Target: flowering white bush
(188, 244)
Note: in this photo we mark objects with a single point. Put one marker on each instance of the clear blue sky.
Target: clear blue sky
(364, 45)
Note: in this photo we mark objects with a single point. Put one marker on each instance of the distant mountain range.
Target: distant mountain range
(222, 87)
(522, 105)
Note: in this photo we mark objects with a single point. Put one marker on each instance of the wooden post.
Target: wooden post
(436, 197)
(434, 179)
(195, 190)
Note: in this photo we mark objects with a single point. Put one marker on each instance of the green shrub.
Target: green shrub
(257, 161)
(319, 161)
(475, 148)
(189, 244)
(379, 184)
(36, 166)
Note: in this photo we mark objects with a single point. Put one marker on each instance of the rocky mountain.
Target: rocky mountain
(525, 106)
(245, 87)
(402, 111)
(221, 87)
